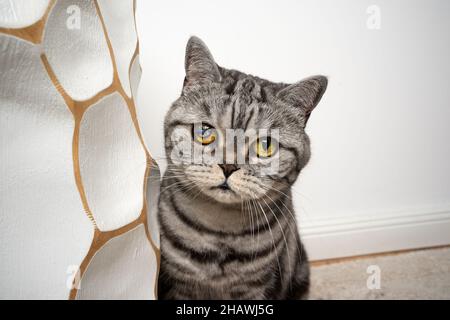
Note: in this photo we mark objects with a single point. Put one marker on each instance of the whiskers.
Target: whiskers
(256, 207)
(292, 224)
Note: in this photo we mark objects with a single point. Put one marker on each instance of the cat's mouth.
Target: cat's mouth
(223, 187)
(225, 193)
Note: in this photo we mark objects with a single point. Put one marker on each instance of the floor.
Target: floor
(423, 274)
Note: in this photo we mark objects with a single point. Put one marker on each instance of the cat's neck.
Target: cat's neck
(212, 214)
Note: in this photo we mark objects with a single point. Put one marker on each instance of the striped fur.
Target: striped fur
(242, 242)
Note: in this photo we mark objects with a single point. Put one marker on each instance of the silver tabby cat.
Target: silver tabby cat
(227, 230)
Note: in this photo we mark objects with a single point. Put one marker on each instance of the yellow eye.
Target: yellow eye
(205, 134)
(265, 148)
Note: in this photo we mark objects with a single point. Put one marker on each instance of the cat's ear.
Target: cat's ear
(199, 64)
(305, 94)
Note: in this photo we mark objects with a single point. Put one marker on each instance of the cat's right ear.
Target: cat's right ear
(305, 95)
(199, 64)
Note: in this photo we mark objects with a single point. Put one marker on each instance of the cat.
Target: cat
(228, 230)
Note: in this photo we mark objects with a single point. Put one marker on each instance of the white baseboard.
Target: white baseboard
(330, 238)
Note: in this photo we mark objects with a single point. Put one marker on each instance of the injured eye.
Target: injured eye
(266, 147)
(204, 134)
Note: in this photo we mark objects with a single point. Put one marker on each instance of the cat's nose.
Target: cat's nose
(228, 169)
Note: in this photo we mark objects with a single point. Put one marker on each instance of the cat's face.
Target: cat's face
(234, 137)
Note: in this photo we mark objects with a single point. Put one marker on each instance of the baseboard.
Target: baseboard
(331, 238)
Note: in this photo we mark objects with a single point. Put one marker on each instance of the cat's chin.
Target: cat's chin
(221, 195)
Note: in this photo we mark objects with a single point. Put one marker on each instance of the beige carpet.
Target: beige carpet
(421, 274)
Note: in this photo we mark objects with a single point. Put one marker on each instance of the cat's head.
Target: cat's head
(250, 132)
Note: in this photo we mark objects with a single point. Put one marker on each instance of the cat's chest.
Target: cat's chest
(228, 261)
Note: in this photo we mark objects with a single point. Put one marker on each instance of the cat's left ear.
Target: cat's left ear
(305, 94)
(199, 63)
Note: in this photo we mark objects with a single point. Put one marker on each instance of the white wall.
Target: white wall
(380, 135)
